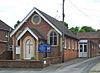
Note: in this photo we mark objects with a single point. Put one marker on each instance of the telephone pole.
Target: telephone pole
(63, 15)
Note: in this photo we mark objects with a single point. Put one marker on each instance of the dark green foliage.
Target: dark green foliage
(66, 24)
(82, 30)
(87, 29)
(33, 58)
(18, 22)
(98, 30)
(74, 30)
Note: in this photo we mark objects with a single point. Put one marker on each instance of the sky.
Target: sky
(77, 12)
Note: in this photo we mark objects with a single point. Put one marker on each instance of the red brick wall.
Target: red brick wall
(93, 49)
(21, 64)
(6, 55)
(3, 35)
(3, 46)
(70, 53)
(3, 38)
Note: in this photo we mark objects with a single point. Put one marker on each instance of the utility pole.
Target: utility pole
(63, 15)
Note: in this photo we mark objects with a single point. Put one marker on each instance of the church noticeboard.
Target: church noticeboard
(44, 48)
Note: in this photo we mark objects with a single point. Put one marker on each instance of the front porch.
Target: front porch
(26, 45)
(27, 49)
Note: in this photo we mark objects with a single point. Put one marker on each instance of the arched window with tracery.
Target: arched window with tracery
(53, 38)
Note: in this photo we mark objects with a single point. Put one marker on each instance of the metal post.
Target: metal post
(63, 32)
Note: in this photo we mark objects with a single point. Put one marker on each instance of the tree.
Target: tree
(82, 30)
(87, 29)
(98, 30)
(66, 24)
(18, 22)
(74, 30)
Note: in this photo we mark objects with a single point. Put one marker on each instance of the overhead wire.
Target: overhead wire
(81, 11)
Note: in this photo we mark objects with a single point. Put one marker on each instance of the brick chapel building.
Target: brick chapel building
(40, 28)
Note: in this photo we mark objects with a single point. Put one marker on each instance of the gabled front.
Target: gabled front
(35, 29)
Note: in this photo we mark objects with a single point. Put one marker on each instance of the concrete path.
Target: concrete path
(95, 69)
(81, 65)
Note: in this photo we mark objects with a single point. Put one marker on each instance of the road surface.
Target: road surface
(81, 65)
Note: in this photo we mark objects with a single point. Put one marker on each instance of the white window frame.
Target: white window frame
(76, 45)
(73, 43)
(65, 43)
(49, 37)
(18, 50)
(38, 21)
(68, 43)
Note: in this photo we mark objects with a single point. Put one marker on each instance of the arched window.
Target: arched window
(53, 38)
(28, 45)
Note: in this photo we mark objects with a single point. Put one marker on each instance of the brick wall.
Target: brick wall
(3, 46)
(93, 48)
(70, 53)
(6, 55)
(21, 64)
(3, 35)
(3, 41)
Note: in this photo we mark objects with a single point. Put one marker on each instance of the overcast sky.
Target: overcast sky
(77, 12)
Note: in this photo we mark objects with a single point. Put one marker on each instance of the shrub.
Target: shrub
(33, 58)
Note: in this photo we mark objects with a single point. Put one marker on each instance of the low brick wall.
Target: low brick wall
(54, 60)
(70, 54)
(22, 64)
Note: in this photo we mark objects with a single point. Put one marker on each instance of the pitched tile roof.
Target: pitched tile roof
(4, 26)
(59, 25)
(83, 35)
(37, 34)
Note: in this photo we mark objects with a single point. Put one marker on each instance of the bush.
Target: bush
(33, 58)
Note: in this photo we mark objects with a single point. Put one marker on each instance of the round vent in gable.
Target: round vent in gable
(36, 19)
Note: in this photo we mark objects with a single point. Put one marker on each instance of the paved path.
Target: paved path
(81, 65)
(95, 69)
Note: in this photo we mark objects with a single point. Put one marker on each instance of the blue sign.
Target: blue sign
(44, 48)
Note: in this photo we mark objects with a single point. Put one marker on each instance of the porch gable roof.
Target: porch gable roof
(30, 31)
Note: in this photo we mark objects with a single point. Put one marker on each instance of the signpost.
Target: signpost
(44, 48)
